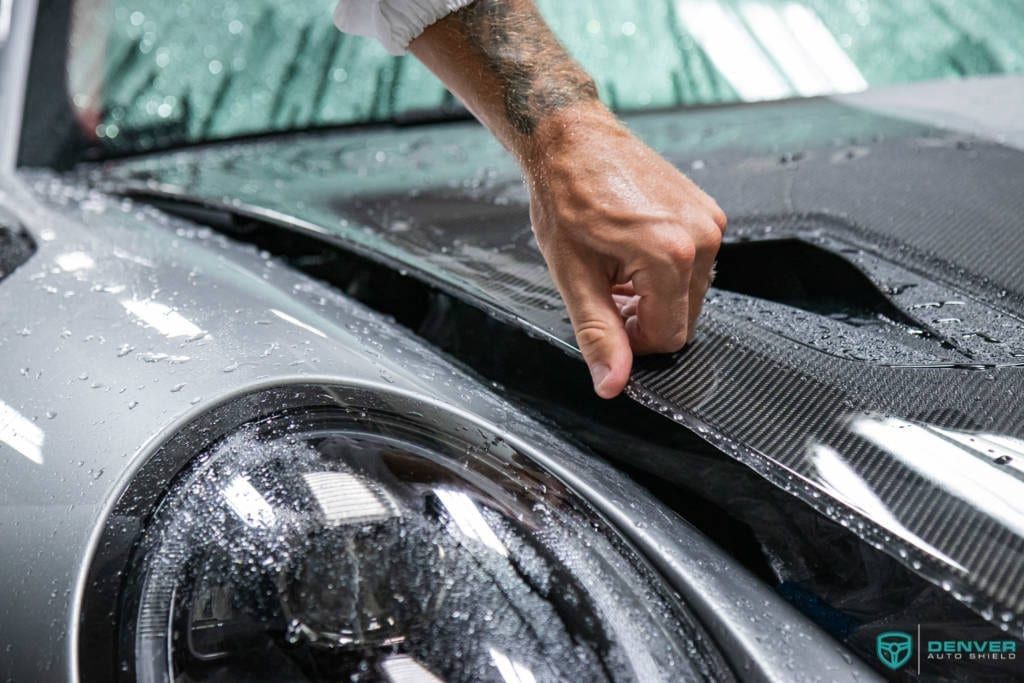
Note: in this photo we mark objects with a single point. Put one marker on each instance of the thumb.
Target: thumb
(600, 333)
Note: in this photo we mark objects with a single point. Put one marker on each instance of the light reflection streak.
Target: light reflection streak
(21, 434)
(511, 671)
(994, 446)
(246, 502)
(815, 39)
(298, 323)
(775, 35)
(5, 19)
(950, 466)
(161, 318)
(850, 488)
(732, 50)
(133, 258)
(467, 517)
(74, 260)
(405, 669)
(346, 499)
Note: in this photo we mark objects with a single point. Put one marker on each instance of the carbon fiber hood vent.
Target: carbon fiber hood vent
(865, 349)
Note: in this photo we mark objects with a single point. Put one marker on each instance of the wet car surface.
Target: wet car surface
(176, 376)
(865, 325)
(308, 406)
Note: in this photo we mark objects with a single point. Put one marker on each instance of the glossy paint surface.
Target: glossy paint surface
(127, 324)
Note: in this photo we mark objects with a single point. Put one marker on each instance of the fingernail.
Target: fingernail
(598, 372)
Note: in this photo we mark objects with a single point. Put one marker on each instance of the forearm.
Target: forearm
(629, 240)
(500, 58)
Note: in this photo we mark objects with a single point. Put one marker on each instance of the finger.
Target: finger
(630, 309)
(600, 330)
(638, 323)
(661, 321)
(626, 304)
(718, 216)
(624, 289)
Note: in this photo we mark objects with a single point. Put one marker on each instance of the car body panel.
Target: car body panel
(122, 305)
(65, 319)
(85, 365)
(988, 107)
(862, 421)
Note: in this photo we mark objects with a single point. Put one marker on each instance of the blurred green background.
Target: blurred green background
(157, 73)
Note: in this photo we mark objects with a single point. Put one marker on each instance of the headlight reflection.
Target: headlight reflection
(319, 552)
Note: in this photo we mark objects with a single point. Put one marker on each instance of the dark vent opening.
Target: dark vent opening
(804, 276)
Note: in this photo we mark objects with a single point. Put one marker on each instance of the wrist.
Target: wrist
(564, 133)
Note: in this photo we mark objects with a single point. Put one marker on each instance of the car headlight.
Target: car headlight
(328, 547)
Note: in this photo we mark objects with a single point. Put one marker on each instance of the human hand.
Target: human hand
(629, 240)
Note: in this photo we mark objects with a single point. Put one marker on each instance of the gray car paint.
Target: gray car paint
(63, 322)
(95, 367)
(102, 386)
(989, 107)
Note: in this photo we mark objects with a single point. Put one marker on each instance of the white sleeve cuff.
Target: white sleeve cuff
(395, 23)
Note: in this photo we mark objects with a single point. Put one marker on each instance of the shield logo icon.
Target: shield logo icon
(894, 648)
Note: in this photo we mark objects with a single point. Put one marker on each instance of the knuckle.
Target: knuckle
(590, 334)
(710, 234)
(720, 219)
(679, 252)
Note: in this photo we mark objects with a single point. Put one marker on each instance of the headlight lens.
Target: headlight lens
(331, 550)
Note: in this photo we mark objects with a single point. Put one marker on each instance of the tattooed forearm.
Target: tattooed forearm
(538, 77)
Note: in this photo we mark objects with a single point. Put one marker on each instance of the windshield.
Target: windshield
(148, 74)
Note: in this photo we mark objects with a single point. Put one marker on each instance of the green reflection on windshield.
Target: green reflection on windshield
(152, 73)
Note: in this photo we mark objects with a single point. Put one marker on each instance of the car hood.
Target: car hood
(863, 346)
